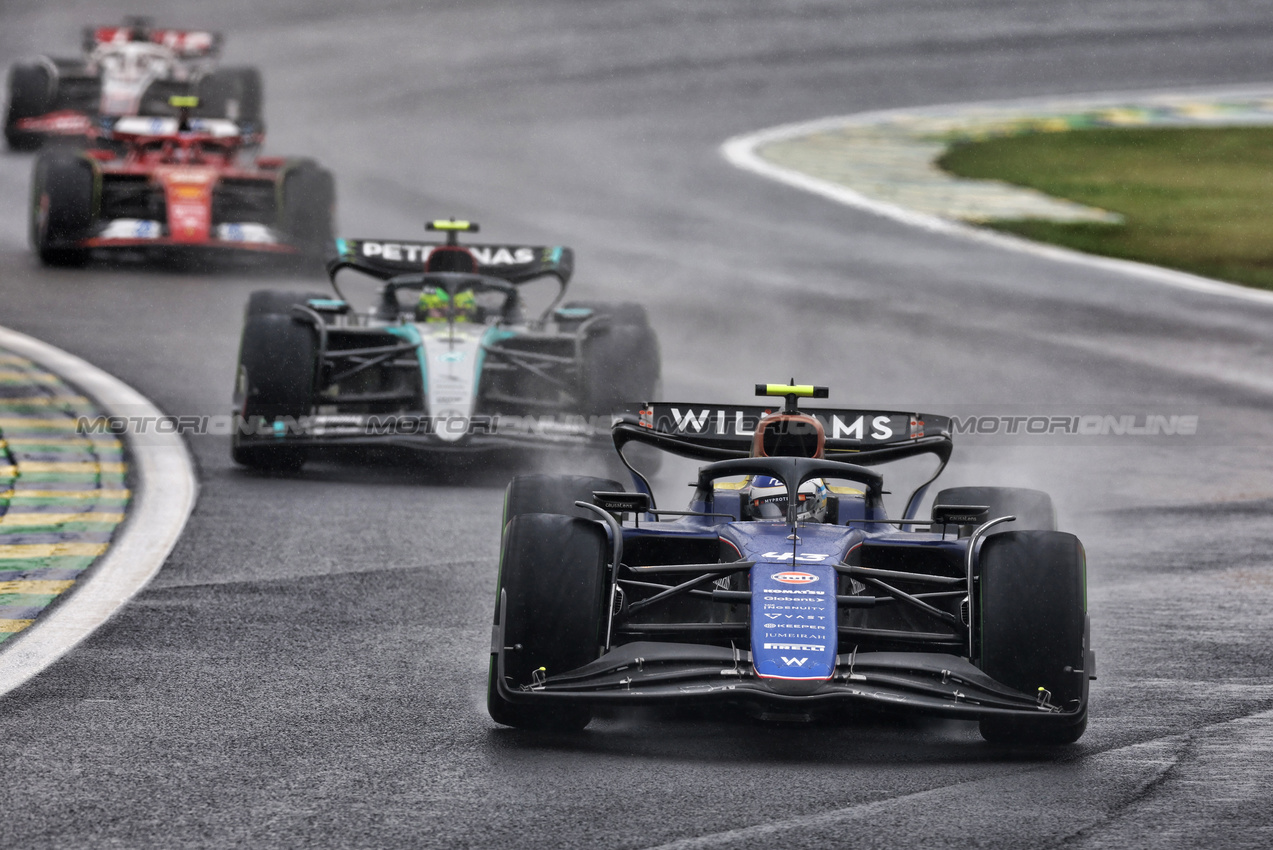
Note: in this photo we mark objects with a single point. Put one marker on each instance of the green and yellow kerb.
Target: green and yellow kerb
(62, 493)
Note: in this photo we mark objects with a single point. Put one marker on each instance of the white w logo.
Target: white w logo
(682, 422)
(793, 662)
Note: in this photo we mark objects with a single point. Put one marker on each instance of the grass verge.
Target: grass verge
(1198, 200)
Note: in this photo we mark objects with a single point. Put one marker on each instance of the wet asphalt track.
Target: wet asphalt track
(308, 668)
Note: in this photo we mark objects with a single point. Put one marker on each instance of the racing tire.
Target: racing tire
(270, 302)
(553, 575)
(1032, 619)
(233, 93)
(553, 494)
(62, 188)
(156, 99)
(1032, 508)
(277, 361)
(621, 362)
(309, 199)
(625, 312)
(31, 93)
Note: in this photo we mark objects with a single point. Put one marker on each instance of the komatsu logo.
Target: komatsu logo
(794, 578)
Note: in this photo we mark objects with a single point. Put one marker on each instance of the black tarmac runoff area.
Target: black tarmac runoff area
(308, 669)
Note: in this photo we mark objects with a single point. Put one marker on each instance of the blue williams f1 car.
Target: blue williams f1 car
(784, 588)
(446, 361)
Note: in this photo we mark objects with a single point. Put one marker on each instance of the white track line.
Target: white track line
(164, 490)
(741, 152)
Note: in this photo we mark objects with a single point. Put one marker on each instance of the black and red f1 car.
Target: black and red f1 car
(178, 184)
(132, 69)
(784, 588)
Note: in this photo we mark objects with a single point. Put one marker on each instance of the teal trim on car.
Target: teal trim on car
(411, 334)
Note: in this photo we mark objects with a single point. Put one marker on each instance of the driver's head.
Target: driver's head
(436, 306)
(767, 499)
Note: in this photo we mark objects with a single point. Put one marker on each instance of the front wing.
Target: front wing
(650, 673)
(168, 244)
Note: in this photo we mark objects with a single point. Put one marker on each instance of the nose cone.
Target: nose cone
(793, 625)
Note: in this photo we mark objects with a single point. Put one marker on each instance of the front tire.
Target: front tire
(277, 302)
(1033, 629)
(1032, 508)
(553, 494)
(278, 358)
(62, 188)
(308, 205)
(621, 362)
(553, 576)
(233, 93)
(31, 94)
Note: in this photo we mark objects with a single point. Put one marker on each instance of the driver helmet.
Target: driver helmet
(767, 499)
(434, 301)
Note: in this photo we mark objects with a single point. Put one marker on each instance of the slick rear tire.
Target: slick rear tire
(1032, 508)
(62, 188)
(1032, 619)
(553, 575)
(621, 362)
(233, 93)
(309, 200)
(278, 357)
(553, 494)
(31, 93)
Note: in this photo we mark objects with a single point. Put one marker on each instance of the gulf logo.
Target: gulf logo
(794, 578)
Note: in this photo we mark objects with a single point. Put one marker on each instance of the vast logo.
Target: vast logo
(794, 577)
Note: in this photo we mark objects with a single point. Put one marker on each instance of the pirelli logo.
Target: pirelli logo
(798, 647)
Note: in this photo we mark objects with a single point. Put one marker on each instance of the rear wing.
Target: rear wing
(514, 263)
(188, 44)
(724, 431)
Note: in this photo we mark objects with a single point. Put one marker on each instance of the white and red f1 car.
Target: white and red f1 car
(132, 69)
